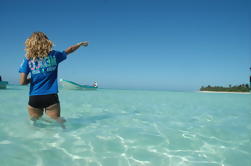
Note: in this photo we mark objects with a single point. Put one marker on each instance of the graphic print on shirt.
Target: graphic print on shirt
(43, 65)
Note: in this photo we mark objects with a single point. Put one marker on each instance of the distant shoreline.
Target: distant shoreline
(224, 92)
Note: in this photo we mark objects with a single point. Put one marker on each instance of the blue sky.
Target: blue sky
(142, 44)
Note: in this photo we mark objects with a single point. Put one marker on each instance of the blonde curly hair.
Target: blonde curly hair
(37, 46)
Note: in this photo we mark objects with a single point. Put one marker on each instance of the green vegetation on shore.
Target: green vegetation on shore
(236, 88)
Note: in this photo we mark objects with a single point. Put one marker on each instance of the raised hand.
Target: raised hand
(85, 43)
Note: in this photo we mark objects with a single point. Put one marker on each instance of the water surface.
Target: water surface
(129, 128)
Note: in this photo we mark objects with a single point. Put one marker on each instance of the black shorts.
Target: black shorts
(43, 101)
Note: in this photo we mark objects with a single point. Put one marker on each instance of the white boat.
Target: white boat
(75, 86)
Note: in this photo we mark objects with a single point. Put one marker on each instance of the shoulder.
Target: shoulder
(52, 52)
(55, 52)
(59, 55)
(25, 59)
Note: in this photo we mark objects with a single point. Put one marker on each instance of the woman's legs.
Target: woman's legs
(35, 113)
(53, 111)
(48, 103)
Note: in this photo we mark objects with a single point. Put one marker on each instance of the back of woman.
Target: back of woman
(41, 62)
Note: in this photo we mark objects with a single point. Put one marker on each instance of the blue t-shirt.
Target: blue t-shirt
(44, 73)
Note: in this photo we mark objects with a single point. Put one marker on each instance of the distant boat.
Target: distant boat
(74, 86)
(3, 84)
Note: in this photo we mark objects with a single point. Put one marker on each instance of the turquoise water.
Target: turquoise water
(129, 128)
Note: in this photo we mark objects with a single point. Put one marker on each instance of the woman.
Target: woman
(42, 62)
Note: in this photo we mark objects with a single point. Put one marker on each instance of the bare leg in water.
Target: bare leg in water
(35, 113)
(53, 111)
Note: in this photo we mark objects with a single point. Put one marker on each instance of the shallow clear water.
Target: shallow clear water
(129, 128)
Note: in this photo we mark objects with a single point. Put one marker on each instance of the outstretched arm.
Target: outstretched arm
(75, 47)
